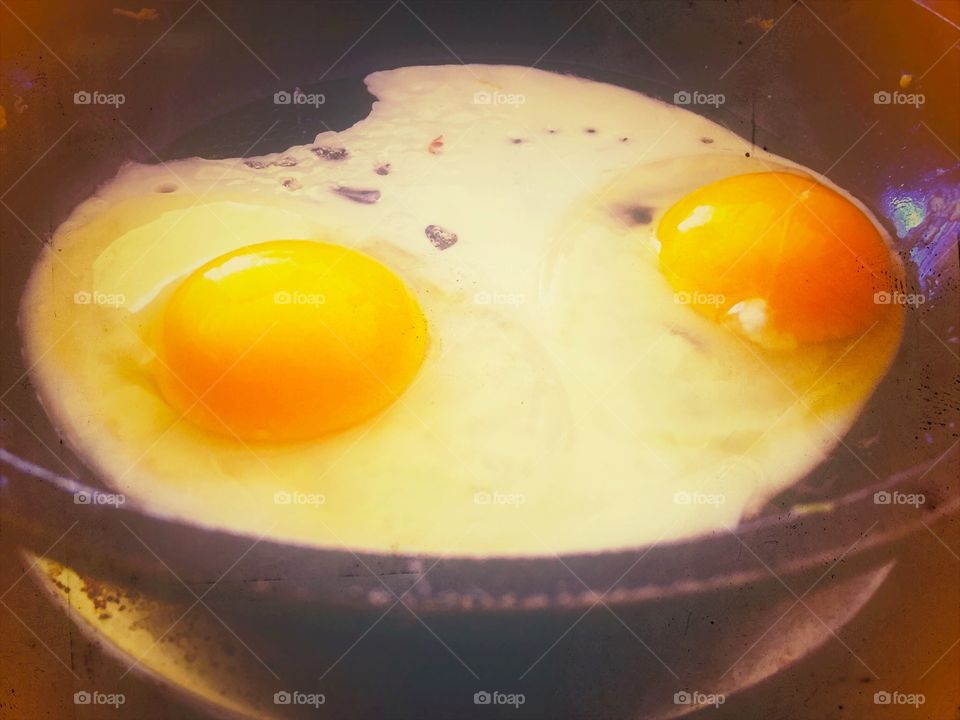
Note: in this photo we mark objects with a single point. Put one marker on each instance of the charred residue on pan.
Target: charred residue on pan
(326, 152)
(261, 163)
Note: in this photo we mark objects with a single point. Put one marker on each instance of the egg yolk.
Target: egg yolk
(782, 257)
(288, 340)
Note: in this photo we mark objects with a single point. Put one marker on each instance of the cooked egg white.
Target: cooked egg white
(569, 398)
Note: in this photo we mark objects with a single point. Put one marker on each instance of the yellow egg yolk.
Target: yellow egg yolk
(781, 256)
(288, 340)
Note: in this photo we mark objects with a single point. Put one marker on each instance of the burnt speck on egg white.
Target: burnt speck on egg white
(290, 183)
(383, 169)
(285, 161)
(257, 163)
(590, 131)
(706, 140)
(360, 195)
(516, 141)
(639, 214)
(440, 237)
(330, 153)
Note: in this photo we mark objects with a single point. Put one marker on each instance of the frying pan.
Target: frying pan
(806, 92)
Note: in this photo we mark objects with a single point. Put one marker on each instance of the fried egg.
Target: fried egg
(510, 312)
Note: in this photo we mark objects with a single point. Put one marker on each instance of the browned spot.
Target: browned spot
(441, 238)
(638, 214)
(330, 153)
(364, 196)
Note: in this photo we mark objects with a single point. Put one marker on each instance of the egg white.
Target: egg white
(568, 402)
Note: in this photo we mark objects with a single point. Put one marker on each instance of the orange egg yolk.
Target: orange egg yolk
(288, 340)
(782, 257)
